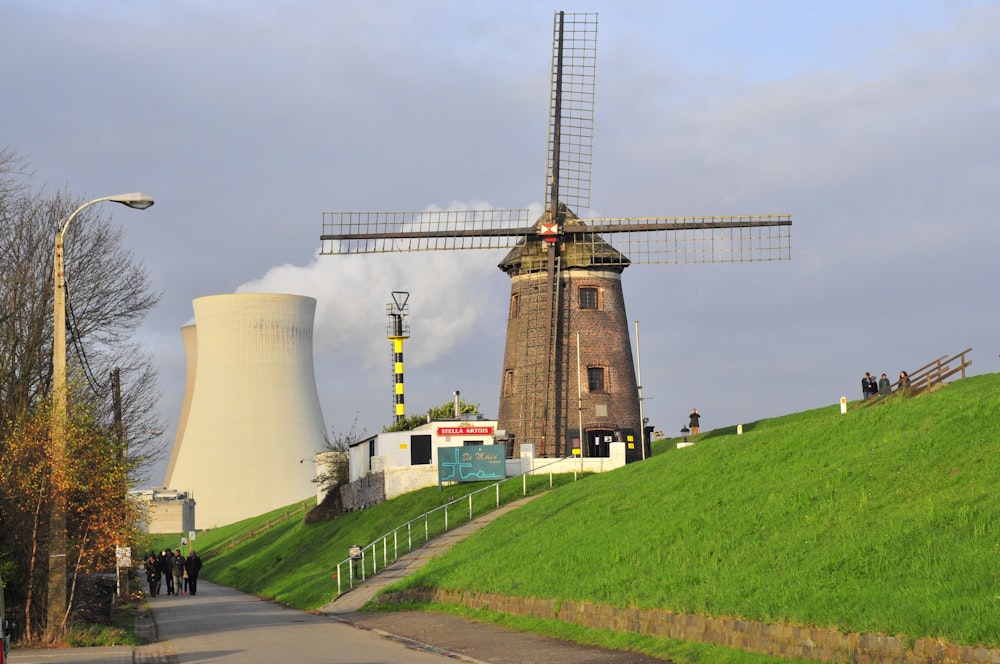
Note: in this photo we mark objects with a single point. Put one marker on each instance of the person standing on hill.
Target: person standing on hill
(695, 418)
(884, 386)
(867, 385)
(193, 566)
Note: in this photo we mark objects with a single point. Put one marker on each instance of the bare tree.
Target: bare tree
(25, 307)
(108, 296)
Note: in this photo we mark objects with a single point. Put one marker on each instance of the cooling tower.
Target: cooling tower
(190, 338)
(251, 412)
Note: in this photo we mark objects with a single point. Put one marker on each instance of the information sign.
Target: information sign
(472, 463)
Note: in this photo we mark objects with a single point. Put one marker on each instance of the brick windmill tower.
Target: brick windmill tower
(568, 363)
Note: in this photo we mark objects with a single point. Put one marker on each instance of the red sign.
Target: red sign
(548, 229)
(465, 431)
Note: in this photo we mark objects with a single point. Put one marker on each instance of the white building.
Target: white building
(251, 410)
(409, 459)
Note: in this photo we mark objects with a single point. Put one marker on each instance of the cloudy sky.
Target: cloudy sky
(873, 123)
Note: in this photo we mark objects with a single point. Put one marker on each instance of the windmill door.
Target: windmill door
(599, 442)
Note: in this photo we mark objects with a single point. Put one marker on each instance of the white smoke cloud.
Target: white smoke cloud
(446, 295)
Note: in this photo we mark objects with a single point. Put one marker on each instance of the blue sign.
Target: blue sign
(472, 463)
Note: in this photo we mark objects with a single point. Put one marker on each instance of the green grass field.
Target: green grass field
(884, 520)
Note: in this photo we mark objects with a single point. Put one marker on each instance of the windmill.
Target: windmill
(568, 358)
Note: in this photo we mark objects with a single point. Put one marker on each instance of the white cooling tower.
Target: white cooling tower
(190, 338)
(251, 412)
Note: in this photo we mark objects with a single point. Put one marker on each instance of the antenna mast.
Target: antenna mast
(398, 331)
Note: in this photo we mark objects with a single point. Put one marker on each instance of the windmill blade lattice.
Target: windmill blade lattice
(433, 230)
(571, 109)
(679, 240)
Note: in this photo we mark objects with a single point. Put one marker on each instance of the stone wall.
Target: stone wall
(364, 492)
(789, 641)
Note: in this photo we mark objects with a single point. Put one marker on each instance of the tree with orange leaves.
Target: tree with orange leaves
(99, 514)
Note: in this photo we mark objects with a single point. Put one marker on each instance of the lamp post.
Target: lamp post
(57, 521)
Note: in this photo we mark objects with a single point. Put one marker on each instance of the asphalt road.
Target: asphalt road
(225, 626)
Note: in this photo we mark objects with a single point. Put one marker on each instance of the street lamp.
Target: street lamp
(57, 522)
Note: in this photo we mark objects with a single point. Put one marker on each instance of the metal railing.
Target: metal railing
(364, 561)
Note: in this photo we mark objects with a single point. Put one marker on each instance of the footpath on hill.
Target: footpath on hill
(466, 639)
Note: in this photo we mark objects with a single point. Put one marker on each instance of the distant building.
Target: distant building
(169, 511)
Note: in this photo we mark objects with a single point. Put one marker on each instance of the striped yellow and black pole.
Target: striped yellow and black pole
(398, 332)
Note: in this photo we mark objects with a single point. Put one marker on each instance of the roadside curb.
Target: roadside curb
(408, 642)
(150, 650)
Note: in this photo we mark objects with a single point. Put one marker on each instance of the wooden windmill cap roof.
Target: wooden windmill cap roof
(576, 250)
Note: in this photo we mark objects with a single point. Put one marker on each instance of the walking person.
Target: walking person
(166, 568)
(193, 566)
(693, 422)
(904, 381)
(152, 567)
(177, 570)
(884, 386)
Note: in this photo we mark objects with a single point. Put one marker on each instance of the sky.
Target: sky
(873, 124)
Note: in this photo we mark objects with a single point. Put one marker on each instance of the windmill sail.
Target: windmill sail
(644, 240)
(571, 110)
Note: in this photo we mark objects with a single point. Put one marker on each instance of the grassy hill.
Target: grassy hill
(884, 520)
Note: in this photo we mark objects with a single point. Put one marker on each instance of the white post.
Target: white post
(638, 375)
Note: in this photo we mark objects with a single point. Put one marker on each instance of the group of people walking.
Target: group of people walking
(871, 386)
(170, 568)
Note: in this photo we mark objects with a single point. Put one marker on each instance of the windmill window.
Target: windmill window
(588, 298)
(508, 383)
(595, 379)
(513, 305)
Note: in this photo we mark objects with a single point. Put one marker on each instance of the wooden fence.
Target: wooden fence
(923, 379)
(250, 533)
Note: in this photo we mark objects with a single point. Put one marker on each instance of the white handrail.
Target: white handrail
(352, 563)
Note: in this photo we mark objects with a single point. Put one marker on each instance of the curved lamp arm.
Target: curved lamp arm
(137, 200)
